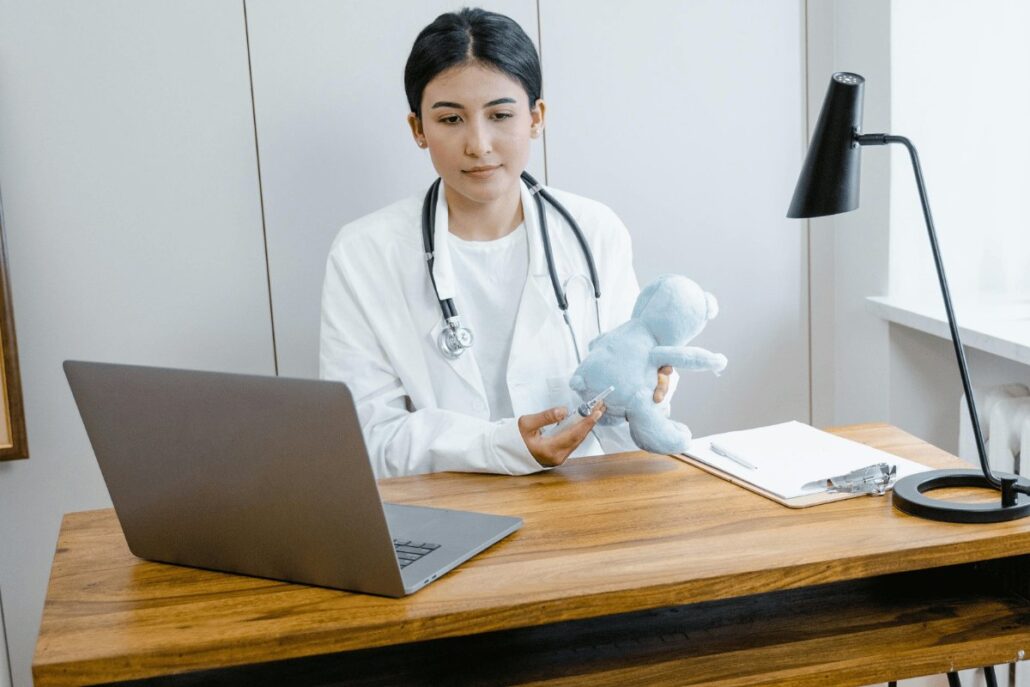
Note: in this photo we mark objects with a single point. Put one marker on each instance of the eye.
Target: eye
(502, 115)
(450, 119)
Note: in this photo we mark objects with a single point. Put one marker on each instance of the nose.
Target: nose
(477, 140)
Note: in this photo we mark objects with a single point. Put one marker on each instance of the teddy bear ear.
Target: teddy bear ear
(713, 305)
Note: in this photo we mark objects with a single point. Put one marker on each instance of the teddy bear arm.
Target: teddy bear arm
(687, 358)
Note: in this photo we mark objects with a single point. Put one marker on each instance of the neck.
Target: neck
(474, 221)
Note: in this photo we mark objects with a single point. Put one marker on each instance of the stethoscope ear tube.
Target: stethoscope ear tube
(559, 292)
(428, 229)
(539, 191)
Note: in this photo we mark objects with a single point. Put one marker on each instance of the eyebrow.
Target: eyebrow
(459, 106)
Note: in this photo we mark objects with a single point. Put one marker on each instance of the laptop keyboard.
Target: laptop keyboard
(408, 552)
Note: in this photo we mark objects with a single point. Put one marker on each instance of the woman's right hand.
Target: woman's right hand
(552, 450)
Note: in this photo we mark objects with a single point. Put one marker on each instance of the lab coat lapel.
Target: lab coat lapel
(443, 270)
(538, 307)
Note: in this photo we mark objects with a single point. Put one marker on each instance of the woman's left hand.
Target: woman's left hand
(662, 388)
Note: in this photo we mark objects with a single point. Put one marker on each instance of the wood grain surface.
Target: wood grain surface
(847, 633)
(602, 536)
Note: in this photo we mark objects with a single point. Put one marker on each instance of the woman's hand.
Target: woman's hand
(551, 451)
(662, 388)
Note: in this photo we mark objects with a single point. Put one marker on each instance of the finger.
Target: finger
(571, 437)
(529, 424)
(663, 383)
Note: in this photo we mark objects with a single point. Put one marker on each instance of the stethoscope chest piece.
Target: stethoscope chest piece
(453, 341)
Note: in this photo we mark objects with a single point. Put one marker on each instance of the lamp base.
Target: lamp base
(910, 497)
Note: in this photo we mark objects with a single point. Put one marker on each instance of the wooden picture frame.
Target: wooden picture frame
(14, 442)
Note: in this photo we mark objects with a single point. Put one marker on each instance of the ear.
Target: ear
(537, 113)
(415, 122)
(712, 306)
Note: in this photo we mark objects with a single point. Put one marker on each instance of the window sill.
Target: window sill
(999, 328)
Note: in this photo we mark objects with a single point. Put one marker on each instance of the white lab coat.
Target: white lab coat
(421, 412)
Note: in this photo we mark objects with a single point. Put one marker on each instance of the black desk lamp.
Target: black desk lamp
(828, 185)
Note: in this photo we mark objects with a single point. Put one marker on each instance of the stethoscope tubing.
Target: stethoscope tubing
(428, 241)
(455, 339)
(540, 194)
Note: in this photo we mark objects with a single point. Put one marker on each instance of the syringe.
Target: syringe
(581, 412)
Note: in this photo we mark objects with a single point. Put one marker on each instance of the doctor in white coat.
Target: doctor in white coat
(473, 83)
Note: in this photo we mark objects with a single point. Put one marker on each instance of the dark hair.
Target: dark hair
(468, 36)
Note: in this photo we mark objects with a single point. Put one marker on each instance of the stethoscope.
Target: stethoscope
(455, 339)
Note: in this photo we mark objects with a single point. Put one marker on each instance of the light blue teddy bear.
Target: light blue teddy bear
(669, 312)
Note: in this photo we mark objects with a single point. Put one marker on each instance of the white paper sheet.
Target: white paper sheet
(792, 454)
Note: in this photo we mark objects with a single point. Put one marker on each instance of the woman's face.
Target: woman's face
(477, 124)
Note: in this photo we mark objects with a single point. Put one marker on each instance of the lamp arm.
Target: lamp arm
(960, 354)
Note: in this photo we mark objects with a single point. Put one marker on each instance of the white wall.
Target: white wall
(5, 666)
(334, 140)
(915, 68)
(129, 168)
(956, 98)
(127, 164)
(685, 117)
(850, 348)
(960, 95)
(334, 146)
(925, 387)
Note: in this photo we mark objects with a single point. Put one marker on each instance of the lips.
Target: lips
(482, 171)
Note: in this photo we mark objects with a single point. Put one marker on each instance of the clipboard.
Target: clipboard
(794, 453)
(815, 499)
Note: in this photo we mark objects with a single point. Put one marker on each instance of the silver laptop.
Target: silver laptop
(263, 476)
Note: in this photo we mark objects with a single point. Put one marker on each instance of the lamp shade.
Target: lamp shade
(828, 183)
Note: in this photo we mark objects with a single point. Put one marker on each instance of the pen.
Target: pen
(719, 450)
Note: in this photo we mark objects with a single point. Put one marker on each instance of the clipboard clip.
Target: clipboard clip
(873, 479)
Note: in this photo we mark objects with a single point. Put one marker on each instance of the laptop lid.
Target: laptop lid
(264, 476)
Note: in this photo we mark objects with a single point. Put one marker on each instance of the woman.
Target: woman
(473, 84)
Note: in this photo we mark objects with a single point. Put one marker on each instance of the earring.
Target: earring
(421, 143)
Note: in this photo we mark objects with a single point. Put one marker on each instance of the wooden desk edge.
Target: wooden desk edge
(940, 633)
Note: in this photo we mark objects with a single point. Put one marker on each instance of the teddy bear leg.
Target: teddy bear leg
(654, 432)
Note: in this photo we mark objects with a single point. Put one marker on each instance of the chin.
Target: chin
(485, 192)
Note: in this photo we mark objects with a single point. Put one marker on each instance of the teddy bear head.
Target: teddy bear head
(674, 309)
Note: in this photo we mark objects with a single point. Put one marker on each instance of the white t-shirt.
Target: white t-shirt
(490, 277)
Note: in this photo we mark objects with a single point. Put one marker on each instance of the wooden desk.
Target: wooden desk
(630, 569)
